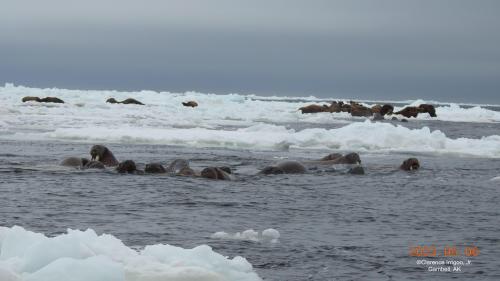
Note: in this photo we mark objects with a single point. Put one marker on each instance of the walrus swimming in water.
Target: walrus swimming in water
(177, 165)
(104, 155)
(76, 162)
(215, 173)
(410, 164)
(126, 101)
(128, 167)
(285, 167)
(94, 165)
(154, 168)
(337, 158)
(190, 103)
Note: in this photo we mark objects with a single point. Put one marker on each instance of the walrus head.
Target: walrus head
(214, 173)
(154, 168)
(127, 166)
(352, 158)
(386, 109)
(103, 154)
(410, 164)
(111, 100)
(186, 172)
(177, 165)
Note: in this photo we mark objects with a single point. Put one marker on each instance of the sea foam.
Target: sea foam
(86, 256)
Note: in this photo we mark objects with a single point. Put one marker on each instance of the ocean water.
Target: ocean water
(332, 225)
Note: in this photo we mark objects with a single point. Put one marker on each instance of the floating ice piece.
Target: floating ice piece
(86, 256)
(268, 235)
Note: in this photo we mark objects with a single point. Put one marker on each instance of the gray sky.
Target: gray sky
(446, 50)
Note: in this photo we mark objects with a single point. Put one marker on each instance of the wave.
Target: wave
(86, 256)
(360, 136)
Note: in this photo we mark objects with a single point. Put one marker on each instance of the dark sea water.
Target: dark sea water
(333, 225)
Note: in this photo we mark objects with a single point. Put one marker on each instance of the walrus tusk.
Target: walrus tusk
(97, 158)
(411, 168)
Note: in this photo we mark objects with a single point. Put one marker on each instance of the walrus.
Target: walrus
(429, 108)
(376, 108)
(76, 162)
(409, 111)
(285, 167)
(314, 108)
(386, 109)
(410, 164)
(190, 103)
(154, 168)
(111, 100)
(215, 173)
(186, 171)
(52, 99)
(131, 101)
(335, 107)
(128, 167)
(126, 101)
(337, 158)
(94, 165)
(359, 110)
(26, 99)
(46, 99)
(358, 170)
(104, 155)
(177, 165)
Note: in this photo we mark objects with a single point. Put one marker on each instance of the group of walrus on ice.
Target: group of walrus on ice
(354, 108)
(102, 157)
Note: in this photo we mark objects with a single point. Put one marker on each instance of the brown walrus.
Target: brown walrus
(177, 165)
(376, 108)
(128, 167)
(359, 110)
(186, 171)
(285, 167)
(386, 109)
(337, 158)
(46, 99)
(154, 168)
(410, 164)
(409, 111)
(215, 173)
(104, 155)
(76, 162)
(190, 103)
(94, 165)
(314, 108)
(126, 101)
(25, 99)
(429, 108)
